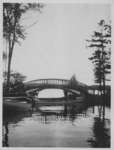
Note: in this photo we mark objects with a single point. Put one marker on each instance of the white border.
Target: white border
(1, 47)
(61, 1)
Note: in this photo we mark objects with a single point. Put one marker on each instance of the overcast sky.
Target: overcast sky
(55, 46)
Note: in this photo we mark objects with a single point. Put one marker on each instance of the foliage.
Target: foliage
(101, 57)
(16, 86)
(13, 31)
(12, 13)
(73, 81)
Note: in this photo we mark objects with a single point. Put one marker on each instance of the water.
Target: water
(60, 125)
(48, 93)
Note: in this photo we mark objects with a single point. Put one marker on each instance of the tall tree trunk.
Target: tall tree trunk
(9, 63)
(100, 82)
(11, 46)
(8, 74)
(100, 88)
(104, 95)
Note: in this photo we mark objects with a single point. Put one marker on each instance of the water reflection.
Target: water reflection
(5, 132)
(66, 115)
(101, 137)
(101, 131)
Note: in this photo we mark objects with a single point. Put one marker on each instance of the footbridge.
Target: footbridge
(65, 85)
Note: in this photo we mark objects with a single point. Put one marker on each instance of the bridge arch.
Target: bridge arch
(41, 84)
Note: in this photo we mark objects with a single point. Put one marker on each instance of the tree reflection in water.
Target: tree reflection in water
(101, 131)
(100, 137)
(5, 135)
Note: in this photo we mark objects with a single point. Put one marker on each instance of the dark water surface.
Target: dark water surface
(68, 125)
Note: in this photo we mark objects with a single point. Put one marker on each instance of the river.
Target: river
(62, 125)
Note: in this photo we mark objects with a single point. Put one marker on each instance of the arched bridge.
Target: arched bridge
(65, 85)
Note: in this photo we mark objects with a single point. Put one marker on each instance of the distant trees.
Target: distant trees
(73, 81)
(13, 31)
(16, 85)
(100, 43)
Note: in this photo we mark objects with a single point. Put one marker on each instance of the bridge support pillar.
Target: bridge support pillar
(93, 92)
(65, 93)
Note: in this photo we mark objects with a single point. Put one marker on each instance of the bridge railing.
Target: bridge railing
(49, 82)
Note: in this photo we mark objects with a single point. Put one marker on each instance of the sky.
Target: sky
(55, 46)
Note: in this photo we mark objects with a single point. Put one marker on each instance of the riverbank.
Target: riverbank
(98, 100)
(19, 104)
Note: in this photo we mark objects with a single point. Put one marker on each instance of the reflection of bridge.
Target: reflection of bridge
(65, 85)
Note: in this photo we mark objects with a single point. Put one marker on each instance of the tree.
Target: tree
(101, 45)
(13, 31)
(17, 77)
(16, 84)
(73, 81)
